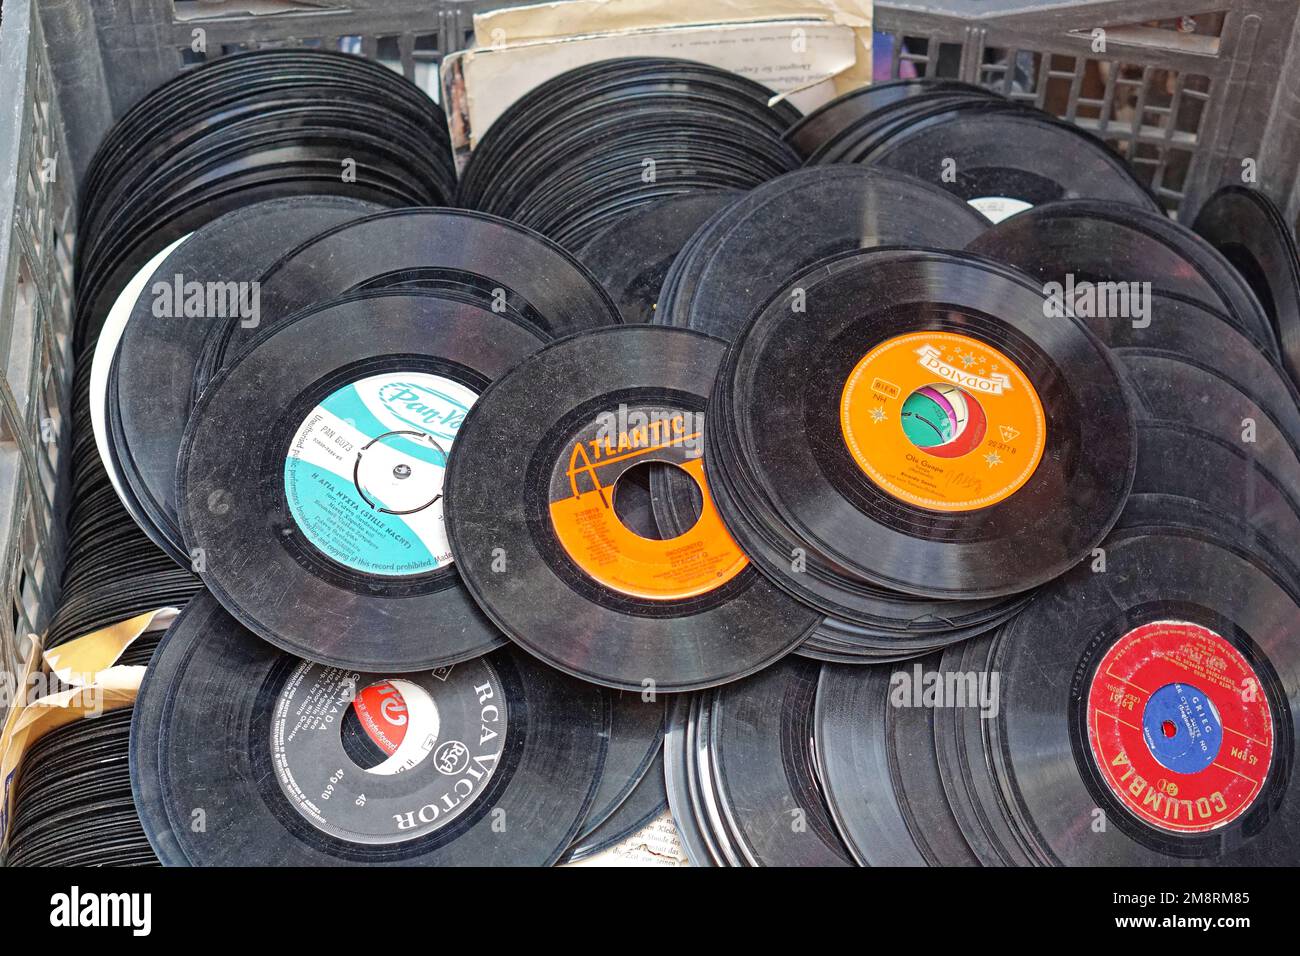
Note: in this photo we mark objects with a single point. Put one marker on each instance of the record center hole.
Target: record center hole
(390, 726)
(1168, 728)
(943, 420)
(632, 498)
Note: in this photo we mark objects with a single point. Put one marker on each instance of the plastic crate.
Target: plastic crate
(1186, 92)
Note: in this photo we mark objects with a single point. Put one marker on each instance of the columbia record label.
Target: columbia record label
(1180, 727)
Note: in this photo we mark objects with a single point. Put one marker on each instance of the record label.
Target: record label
(943, 421)
(441, 731)
(1180, 727)
(581, 495)
(363, 474)
(997, 208)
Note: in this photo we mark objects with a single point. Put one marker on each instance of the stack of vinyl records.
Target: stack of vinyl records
(939, 498)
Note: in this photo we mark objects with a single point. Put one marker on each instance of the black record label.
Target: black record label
(581, 496)
(437, 738)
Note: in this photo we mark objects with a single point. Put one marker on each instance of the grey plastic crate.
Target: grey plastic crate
(1186, 90)
(36, 211)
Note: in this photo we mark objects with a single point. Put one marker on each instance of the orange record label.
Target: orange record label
(595, 538)
(942, 421)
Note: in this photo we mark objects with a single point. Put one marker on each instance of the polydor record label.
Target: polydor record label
(1180, 727)
(942, 421)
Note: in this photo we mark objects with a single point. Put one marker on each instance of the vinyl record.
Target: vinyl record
(679, 740)
(1253, 234)
(632, 256)
(250, 127)
(875, 747)
(764, 766)
(601, 140)
(1089, 241)
(809, 448)
(151, 386)
(505, 267)
(646, 802)
(1169, 388)
(311, 478)
(72, 799)
(636, 737)
(1160, 697)
(495, 764)
(996, 155)
(1190, 463)
(747, 253)
(539, 543)
(830, 119)
(1173, 326)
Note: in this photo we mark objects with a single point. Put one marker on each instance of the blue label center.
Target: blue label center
(1182, 728)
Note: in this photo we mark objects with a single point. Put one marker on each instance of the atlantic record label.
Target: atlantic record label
(943, 421)
(581, 494)
(1180, 727)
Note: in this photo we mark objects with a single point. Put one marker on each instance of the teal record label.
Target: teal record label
(363, 474)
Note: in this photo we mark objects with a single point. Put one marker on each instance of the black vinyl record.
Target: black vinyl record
(1169, 388)
(914, 420)
(764, 768)
(151, 386)
(1088, 241)
(1254, 235)
(311, 472)
(237, 757)
(876, 759)
(632, 256)
(988, 152)
(831, 119)
(1148, 710)
(537, 538)
(638, 810)
(752, 248)
(504, 266)
(636, 737)
(1202, 337)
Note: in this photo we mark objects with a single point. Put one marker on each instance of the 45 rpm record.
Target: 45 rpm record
(151, 387)
(876, 758)
(1253, 234)
(632, 256)
(505, 266)
(538, 541)
(311, 478)
(1162, 692)
(747, 253)
(810, 453)
(1096, 241)
(487, 762)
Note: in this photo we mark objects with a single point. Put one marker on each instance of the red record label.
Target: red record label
(1180, 727)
